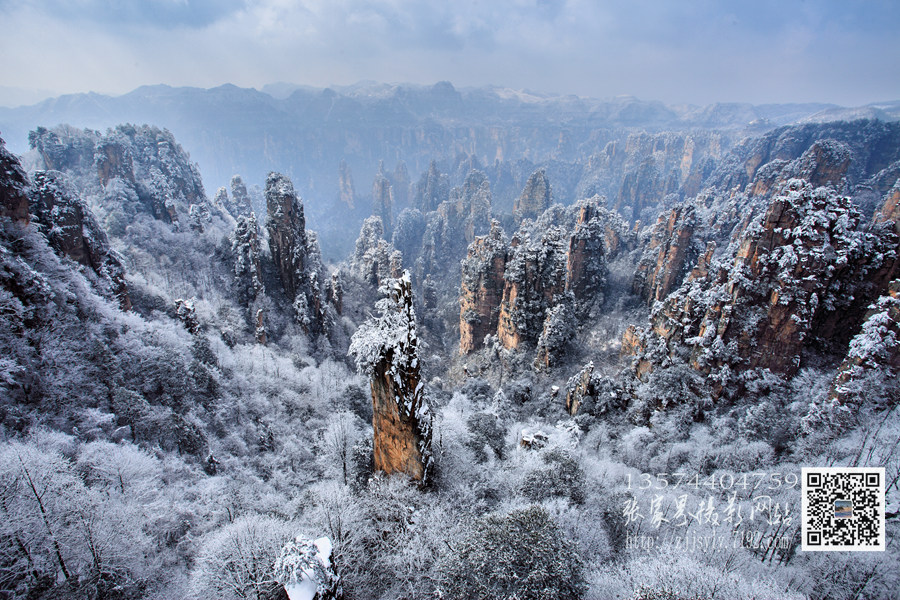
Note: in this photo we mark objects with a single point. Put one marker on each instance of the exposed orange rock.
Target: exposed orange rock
(663, 264)
(701, 270)
(398, 438)
(482, 288)
(792, 281)
(535, 280)
(889, 214)
(261, 334)
(386, 348)
(113, 160)
(579, 386)
(585, 261)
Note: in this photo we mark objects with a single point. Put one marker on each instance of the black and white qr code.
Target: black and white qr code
(842, 508)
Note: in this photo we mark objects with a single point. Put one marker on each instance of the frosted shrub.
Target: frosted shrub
(236, 560)
(522, 555)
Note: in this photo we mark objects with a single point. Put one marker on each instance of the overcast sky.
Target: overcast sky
(846, 51)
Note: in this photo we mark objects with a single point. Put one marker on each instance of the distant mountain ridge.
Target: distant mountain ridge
(309, 133)
(288, 108)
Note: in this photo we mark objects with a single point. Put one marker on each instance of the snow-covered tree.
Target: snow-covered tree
(386, 351)
(521, 555)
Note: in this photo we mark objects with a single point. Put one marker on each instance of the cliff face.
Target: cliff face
(375, 260)
(535, 197)
(639, 172)
(294, 252)
(287, 232)
(599, 235)
(455, 224)
(65, 148)
(386, 349)
(887, 221)
(579, 387)
(383, 202)
(71, 230)
(795, 279)
(553, 270)
(345, 186)
(246, 248)
(669, 253)
(113, 159)
(535, 281)
(872, 145)
(874, 352)
(432, 189)
(742, 187)
(145, 162)
(482, 288)
(825, 162)
(239, 204)
(13, 187)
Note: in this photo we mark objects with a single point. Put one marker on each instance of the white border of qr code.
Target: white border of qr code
(804, 509)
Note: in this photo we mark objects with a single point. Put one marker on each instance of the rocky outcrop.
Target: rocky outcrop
(873, 145)
(826, 162)
(239, 204)
(65, 148)
(400, 185)
(668, 255)
(535, 281)
(240, 198)
(588, 392)
(432, 189)
(455, 223)
(334, 292)
(586, 260)
(556, 334)
(874, 351)
(262, 336)
(247, 251)
(346, 191)
(13, 187)
(146, 161)
(640, 172)
(887, 221)
(579, 387)
(293, 252)
(715, 215)
(529, 290)
(383, 202)
(286, 225)
(535, 197)
(482, 288)
(114, 160)
(386, 350)
(187, 314)
(374, 260)
(72, 231)
(793, 281)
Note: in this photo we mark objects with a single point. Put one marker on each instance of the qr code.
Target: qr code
(842, 508)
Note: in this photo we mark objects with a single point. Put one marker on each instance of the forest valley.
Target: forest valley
(502, 391)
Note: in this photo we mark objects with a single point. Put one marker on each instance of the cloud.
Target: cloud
(145, 13)
(700, 52)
